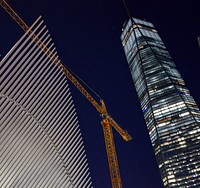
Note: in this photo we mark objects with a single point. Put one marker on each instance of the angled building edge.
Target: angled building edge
(41, 142)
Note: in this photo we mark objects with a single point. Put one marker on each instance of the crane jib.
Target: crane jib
(107, 122)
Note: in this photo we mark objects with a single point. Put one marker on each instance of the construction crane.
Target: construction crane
(107, 121)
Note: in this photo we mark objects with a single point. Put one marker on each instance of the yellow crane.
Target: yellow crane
(107, 121)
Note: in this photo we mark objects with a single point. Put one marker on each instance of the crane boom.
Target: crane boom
(107, 120)
(24, 26)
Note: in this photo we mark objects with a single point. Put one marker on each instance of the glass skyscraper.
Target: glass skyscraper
(40, 138)
(170, 112)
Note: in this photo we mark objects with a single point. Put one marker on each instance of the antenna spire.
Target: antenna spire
(127, 10)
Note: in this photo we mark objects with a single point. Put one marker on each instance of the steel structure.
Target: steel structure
(107, 120)
(40, 137)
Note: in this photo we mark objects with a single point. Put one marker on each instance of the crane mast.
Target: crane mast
(107, 120)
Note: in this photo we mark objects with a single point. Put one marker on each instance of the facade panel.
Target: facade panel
(170, 112)
(40, 137)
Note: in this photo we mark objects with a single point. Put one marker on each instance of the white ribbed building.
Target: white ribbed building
(40, 139)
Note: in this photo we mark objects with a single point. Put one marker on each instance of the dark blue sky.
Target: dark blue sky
(87, 37)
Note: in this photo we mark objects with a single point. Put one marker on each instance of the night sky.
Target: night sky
(87, 37)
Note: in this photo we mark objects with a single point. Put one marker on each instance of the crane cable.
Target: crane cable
(22, 24)
(84, 83)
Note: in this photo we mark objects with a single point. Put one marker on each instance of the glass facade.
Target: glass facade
(170, 112)
(40, 138)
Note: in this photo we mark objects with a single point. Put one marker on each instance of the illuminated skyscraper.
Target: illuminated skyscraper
(171, 114)
(40, 140)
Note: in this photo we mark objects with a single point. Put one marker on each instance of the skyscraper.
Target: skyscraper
(170, 112)
(40, 137)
